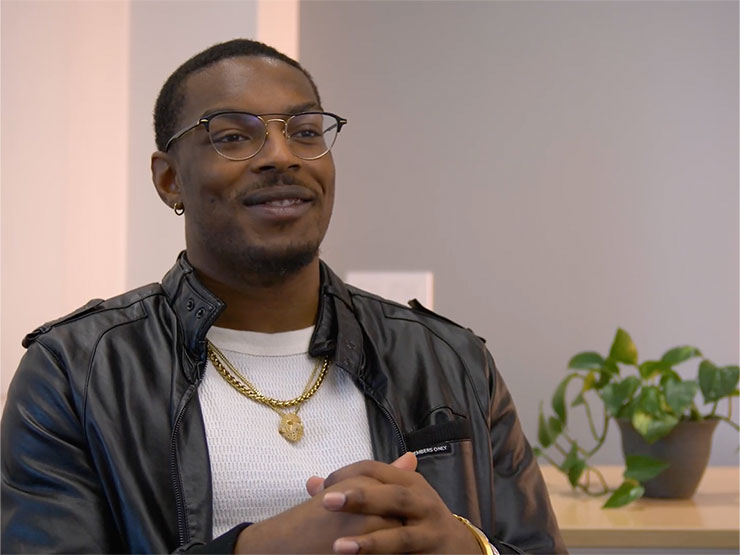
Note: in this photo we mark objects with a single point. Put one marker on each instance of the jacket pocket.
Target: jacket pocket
(445, 459)
(439, 436)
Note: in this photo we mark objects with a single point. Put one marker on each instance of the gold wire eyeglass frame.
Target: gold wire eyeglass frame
(285, 119)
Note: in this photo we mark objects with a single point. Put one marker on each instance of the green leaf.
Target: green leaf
(604, 378)
(543, 431)
(555, 427)
(573, 465)
(558, 398)
(679, 395)
(590, 381)
(651, 427)
(623, 349)
(537, 451)
(626, 493)
(570, 458)
(679, 354)
(730, 378)
(650, 368)
(610, 367)
(615, 395)
(627, 410)
(548, 429)
(643, 468)
(579, 400)
(717, 382)
(708, 380)
(649, 400)
(586, 361)
(667, 375)
(611, 399)
(575, 471)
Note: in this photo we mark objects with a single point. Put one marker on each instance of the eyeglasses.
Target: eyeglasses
(241, 135)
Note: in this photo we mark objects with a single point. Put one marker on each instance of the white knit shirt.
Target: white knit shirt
(256, 473)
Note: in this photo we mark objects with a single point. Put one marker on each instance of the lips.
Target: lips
(279, 196)
(279, 203)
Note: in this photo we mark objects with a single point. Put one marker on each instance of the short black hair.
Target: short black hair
(171, 98)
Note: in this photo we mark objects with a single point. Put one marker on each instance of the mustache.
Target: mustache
(275, 179)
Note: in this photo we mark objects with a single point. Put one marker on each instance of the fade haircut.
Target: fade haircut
(171, 99)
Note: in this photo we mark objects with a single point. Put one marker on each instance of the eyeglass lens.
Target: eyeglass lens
(241, 136)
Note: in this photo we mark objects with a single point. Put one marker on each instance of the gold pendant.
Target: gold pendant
(291, 426)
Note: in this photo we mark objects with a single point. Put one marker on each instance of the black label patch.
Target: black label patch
(433, 450)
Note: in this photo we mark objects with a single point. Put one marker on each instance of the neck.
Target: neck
(251, 305)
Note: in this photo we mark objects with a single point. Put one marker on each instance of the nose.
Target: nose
(276, 153)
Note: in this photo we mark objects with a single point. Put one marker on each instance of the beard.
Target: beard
(268, 266)
(261, 265)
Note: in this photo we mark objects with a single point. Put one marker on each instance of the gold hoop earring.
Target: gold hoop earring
(179, 208)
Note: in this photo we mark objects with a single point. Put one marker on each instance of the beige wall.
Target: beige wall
(563, 168)
(64, 174)
(80, 218)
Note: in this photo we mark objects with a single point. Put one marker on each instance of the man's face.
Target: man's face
(265, 216)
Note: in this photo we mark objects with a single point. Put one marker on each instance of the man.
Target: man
(168, 418)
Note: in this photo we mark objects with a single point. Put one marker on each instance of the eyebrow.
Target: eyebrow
(296, 109)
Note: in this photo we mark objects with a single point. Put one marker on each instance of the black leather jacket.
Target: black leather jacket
(104, 448)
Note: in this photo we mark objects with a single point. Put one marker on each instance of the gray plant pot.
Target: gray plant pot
(686, 447)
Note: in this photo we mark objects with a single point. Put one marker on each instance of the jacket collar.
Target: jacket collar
(196, 307)
(337, 333)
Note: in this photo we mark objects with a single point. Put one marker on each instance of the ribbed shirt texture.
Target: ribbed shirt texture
(256, 473)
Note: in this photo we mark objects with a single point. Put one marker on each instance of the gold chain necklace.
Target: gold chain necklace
(291, 425)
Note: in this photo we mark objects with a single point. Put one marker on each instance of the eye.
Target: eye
(231, 136)
(306, 132)
(234, 128)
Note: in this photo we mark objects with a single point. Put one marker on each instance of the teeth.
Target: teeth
(283, 202)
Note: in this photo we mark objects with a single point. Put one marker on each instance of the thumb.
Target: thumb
(407, 461)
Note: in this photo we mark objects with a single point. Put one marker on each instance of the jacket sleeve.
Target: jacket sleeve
(524, 520)
(52, 500)
(52, 497)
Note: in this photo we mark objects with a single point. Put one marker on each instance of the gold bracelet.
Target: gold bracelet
(480, 537)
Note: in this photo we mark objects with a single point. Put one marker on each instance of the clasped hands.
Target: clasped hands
(364, 507)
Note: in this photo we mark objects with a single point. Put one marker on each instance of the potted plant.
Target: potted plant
(656, 412)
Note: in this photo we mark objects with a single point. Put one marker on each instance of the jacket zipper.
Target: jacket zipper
(396, 429)
(175, 473)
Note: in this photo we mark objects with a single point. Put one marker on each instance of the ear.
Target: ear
(165, 179)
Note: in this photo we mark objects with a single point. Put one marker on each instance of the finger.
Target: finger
(335, 497)
(377, 470)
(407, 461)
(402, 539)
(314, 485)
(368, 524)
(387, 500)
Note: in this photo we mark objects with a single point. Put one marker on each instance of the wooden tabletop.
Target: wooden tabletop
(710, 519)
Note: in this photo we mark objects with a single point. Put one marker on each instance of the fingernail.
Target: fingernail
(346, 546)
(334, 500)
